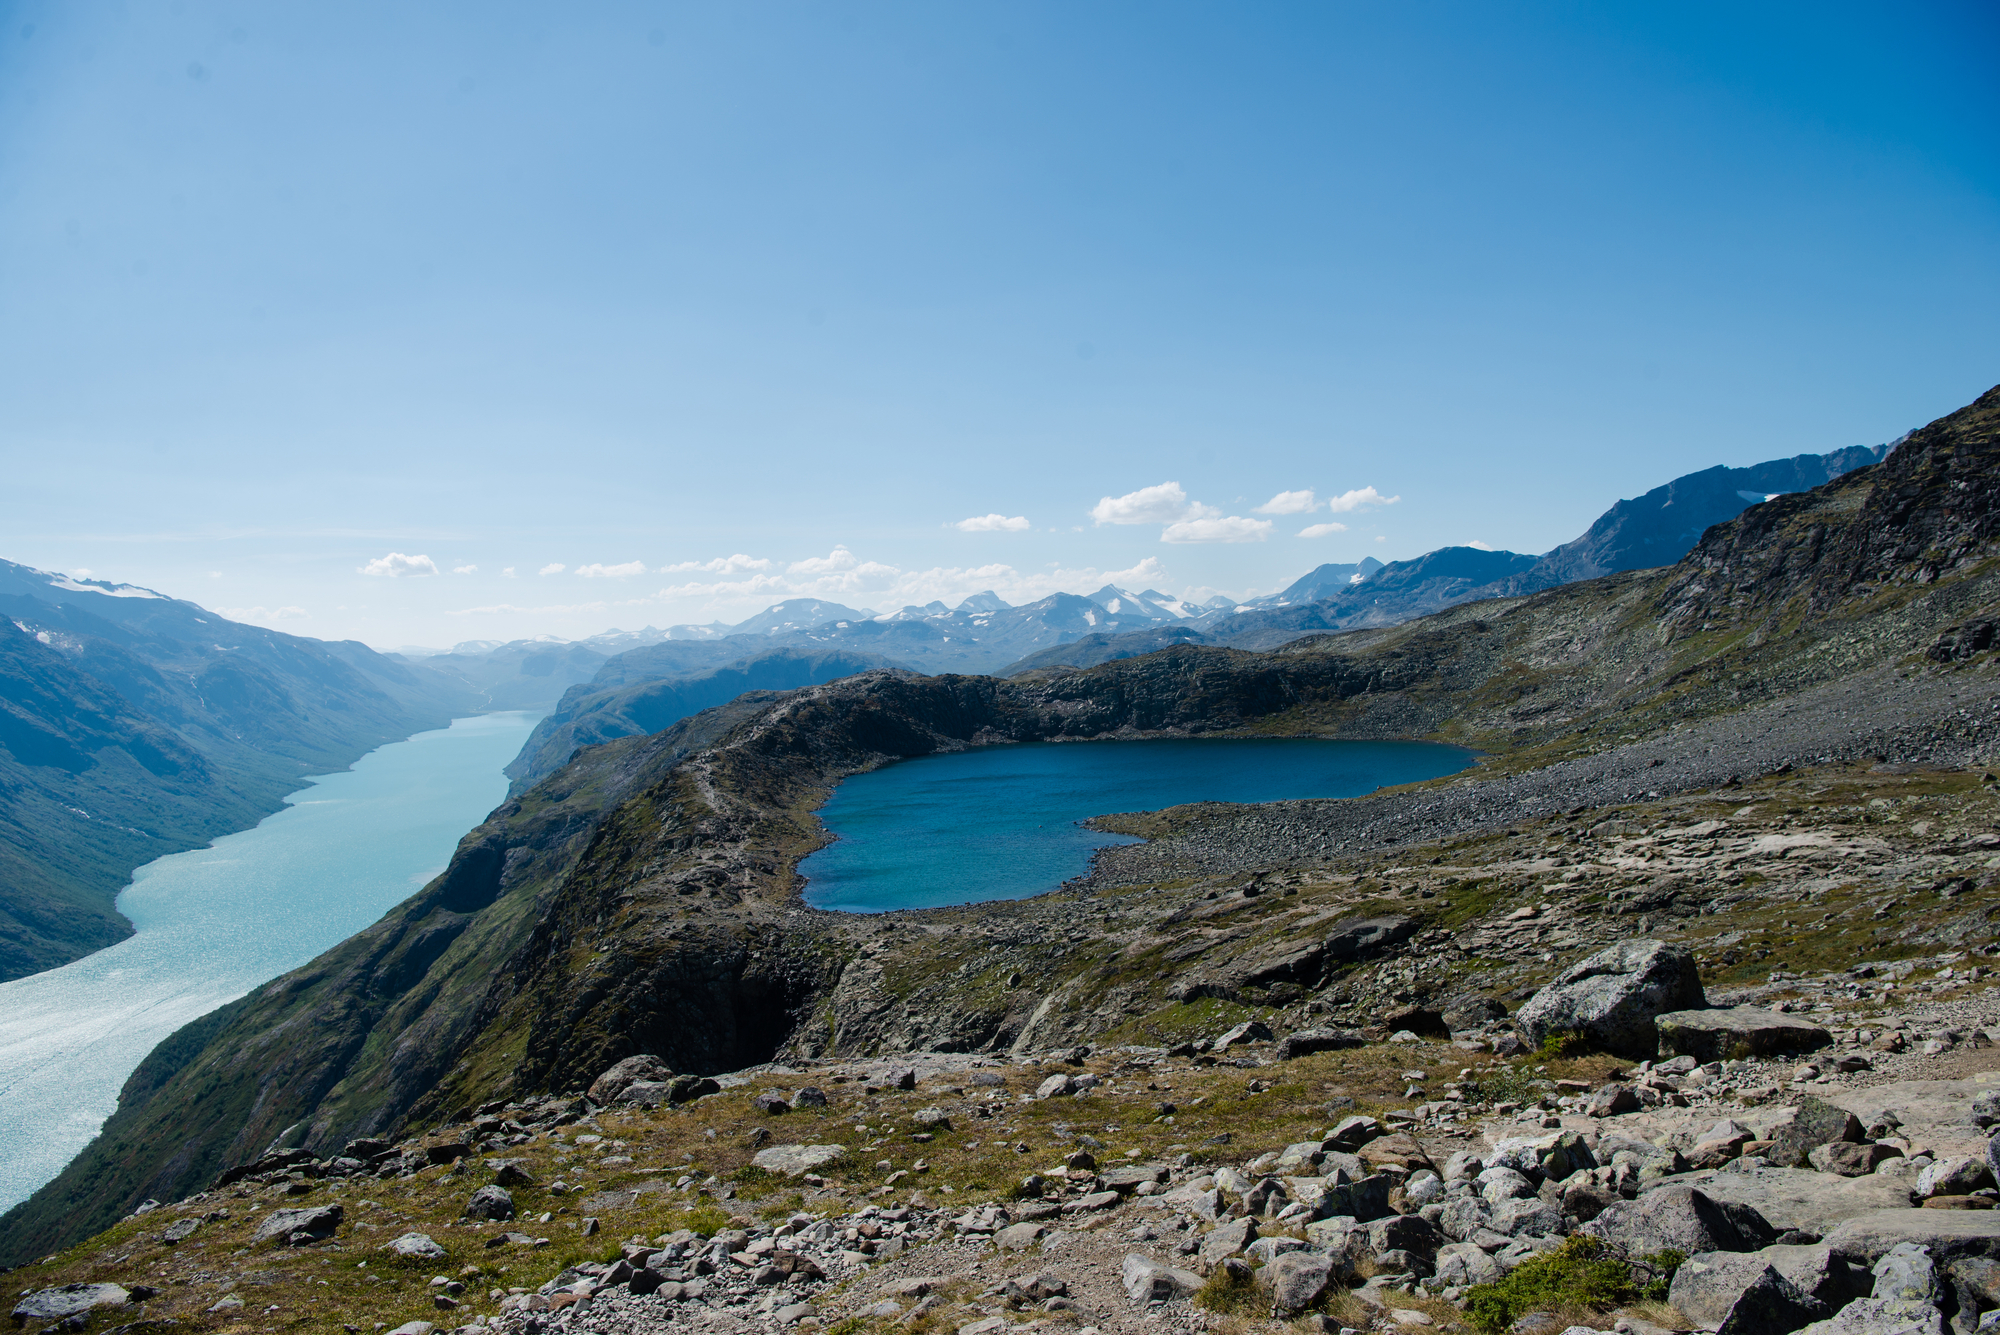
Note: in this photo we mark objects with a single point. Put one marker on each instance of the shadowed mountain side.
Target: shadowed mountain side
(588, 717)
(645, 897)
(1094, 649)
(134, 725)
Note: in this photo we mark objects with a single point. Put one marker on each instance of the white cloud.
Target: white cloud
(261, 613)
(1477, 545)
(1380, 538)
(1321, 530)
(993, 523)
(552, 568)
(1365, 499)
(721, 565)
(1290, 503)
(465, 570)
(508, 572)
(842, 576)
(597, 570)
(1162, 504)
(398, 566)
(1223, 528)
(81, 572)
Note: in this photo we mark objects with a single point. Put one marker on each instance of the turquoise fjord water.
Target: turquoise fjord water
(215, 922)
(1000, 822)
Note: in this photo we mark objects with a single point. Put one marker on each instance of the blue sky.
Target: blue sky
(766, 299)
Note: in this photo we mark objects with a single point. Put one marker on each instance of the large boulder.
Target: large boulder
(796, 1160)
(1709, 1286)
(1947, 1235)
(490, 1202)
(1735, 1031)
(418, 1247)
(1354, 939)
(607, 1087)
(1308, 1041)
(1612, 997)
(1750, 1298)
(1149, 1281)
(1798, 1198)
(1682, 1219)
(67, 1301)
(1298, 1280)
(1815, 1122)
(295, 1228)
(1882, 1316)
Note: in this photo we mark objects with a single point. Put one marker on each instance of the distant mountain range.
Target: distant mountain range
(133, 725)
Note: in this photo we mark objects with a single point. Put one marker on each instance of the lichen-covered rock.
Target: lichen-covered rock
(1814, 1123)
(298, 1227)
(1681, 1219)
(1612, 997)
(614, 1081)
(1736, 1031)
(68, 1300)
(1742, 1294)
(418, 1246)
(490, 1202)
(1297, 1280)
(1150, 1281)
(796, 1160)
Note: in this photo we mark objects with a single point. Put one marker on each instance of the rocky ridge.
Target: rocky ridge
(644, 898)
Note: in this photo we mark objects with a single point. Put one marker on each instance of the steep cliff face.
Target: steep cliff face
(645, 897)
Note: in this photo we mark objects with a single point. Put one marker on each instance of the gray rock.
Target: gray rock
(297, 1227)
(1815, 1122)
(1298, 1280)
(1463, 1216)
(1881, 1316)
(1800, 1198)
(1019, 1237)
(1743, 1294)
(1555, 1155)
(685, 1088)
(1464, 1263)
(647, 1093)
(1250, 1031)
(1149, 1281)
(419, 1246)
(1366, 1199)
(492, 1202)
(1056, 1086)
(1735, 1031)
(812, 1096)
(1359, 938)
(897, 1077)
(1351, 1133)
(1681, 1218)
(1403, 1233)
(1947, 1235)
(1614, 1099)
(512, 1173)
(1958, 1176)
(180, 1230)
(1227, 1240)
(1266, 1250)
(607, 1087)
(1524, 1218)
(1499, 1184)
(69, 1300)
(796, 1160)
(1308, 1041)
(1906, 1273)
(1611, 997)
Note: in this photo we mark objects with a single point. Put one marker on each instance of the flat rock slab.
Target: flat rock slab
(1865, 1239)
(1735, 1031)
(1798, 1197)
(69, 1300)
(797, 1160)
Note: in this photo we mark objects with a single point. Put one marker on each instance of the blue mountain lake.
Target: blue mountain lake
(1001, 822)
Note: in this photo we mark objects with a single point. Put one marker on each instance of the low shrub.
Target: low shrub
(1576, 1274)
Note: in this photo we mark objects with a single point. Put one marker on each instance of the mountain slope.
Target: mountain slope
(644, 898)
(134, 725)
(591, 717)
